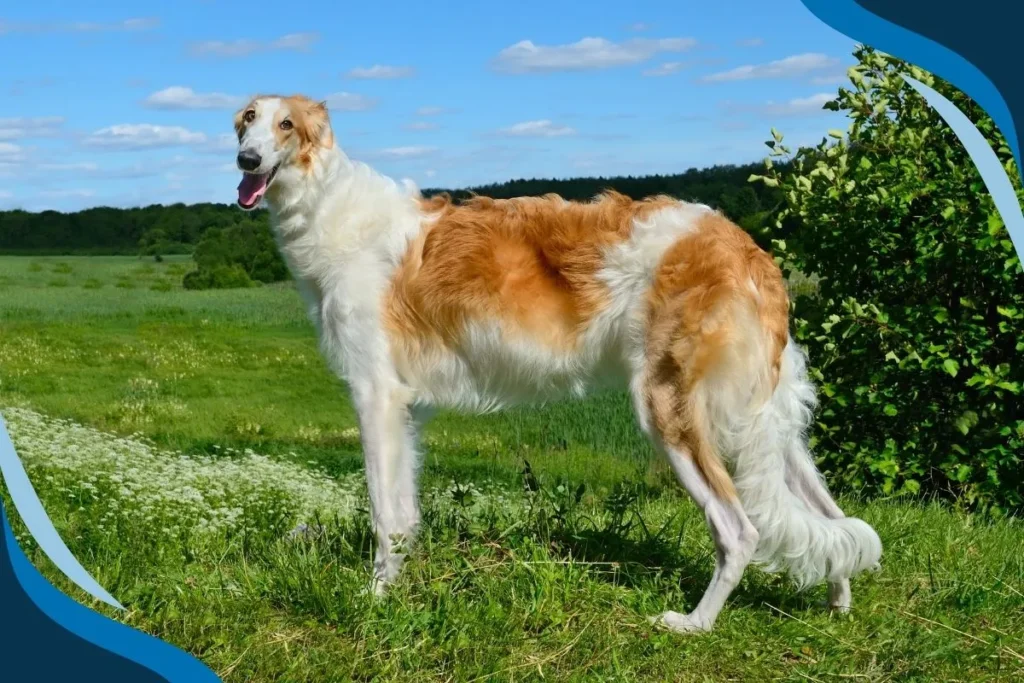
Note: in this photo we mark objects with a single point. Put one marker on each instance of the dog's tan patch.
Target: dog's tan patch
(529, 263)
(701, 292)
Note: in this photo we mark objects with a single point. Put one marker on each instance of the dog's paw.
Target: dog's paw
(680, 623)
(839, 596)
(377, 588)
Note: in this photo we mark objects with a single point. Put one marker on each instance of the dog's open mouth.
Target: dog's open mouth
(253, 186)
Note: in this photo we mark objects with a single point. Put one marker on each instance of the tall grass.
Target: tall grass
(201, 461)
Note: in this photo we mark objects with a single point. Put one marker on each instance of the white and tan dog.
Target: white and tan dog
(423, 303)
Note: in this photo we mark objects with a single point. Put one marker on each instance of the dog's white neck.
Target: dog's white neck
(342, 212)
(295, 196)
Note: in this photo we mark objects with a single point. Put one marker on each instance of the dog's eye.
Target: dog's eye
(249, 116)
(286, 125)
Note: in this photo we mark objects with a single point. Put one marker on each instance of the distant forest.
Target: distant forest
(179, 228)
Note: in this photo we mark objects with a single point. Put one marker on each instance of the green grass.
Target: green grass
(505, 584)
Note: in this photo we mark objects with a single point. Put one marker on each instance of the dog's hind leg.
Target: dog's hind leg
(735, 541)
(806, 483)
(796, 403)
(661, 411)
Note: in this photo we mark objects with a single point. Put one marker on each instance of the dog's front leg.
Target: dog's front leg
(388, 437)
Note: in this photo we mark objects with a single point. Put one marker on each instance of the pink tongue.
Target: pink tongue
(251, 188)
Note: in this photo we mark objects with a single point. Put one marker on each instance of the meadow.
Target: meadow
(199, 459)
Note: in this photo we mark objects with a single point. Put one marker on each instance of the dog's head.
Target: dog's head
(278, 140)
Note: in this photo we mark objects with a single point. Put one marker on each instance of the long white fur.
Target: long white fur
(343, 229)
(766, 445)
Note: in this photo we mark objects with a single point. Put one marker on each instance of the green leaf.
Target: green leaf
(890, 410)
(776, 134)
(951, 366)
(965, 422)
(995, 223)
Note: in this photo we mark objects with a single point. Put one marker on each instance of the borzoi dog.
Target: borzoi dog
(420, 304)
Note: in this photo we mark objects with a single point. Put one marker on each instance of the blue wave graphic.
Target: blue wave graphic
(849, 18)
(162, 658)
(165, 659)
(992, 172)
(26, 502)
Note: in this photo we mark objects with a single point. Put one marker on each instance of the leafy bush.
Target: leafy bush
(218, 277)
(916, 336)
(236, 256)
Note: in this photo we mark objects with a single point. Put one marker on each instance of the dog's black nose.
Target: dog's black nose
(248, 160)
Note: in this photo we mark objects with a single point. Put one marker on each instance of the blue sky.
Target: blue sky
(130, 103)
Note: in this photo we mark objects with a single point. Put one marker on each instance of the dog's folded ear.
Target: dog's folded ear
(315, 123)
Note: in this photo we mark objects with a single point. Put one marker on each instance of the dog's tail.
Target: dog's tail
(761, 433)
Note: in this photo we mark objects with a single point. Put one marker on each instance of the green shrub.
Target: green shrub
(218, 277)
(916, 336)
(247, 247)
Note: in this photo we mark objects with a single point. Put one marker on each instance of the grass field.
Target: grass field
(199, 459)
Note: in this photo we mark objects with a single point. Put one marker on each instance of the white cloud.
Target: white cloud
(142, 136)
(22, 128)
(379, 71)
(639, 27)
(430, 111)
(588, 53)
(407, 152)
(831, 79)
(298, 42)
(750, 42)
(222, 143)
(420, 125)
(666, 69)
(66, 194)
(537, 129)
(295, 41)
(180, 97)
(800, 106)
(76, 167)
(126, 25)
(795, 65)
(10, 152)
(346, 101)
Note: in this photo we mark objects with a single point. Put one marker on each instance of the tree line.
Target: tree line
(179, 228)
